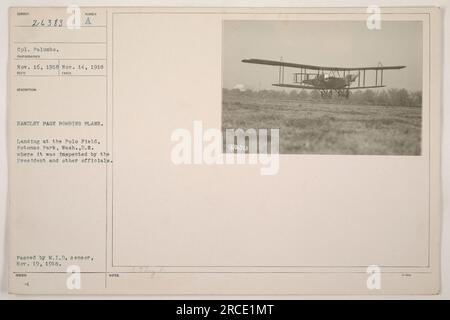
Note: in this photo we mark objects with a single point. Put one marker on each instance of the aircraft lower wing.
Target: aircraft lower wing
(313, 67)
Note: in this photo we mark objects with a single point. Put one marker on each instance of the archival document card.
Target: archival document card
(226, 151)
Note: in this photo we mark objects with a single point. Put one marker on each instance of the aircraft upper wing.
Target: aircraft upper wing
(312, 67)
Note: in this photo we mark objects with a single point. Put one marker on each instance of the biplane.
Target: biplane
(327, 79)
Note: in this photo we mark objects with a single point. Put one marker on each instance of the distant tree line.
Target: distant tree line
(385, 97)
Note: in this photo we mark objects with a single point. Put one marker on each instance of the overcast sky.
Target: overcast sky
(325, 43)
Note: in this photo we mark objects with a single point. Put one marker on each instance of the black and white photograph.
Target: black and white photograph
(330, 87)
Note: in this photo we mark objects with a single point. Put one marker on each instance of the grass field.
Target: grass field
(308, 127)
